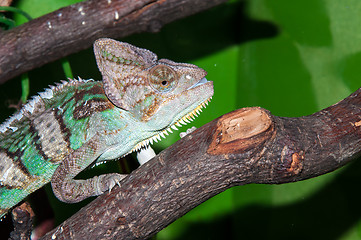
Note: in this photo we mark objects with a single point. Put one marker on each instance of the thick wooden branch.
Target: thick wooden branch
(74, 28)
(245, 146)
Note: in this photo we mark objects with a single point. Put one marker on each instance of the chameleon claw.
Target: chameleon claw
(188, 131)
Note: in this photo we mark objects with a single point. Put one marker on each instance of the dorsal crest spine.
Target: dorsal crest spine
(36, 104)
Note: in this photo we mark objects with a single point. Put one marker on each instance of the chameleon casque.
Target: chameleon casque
(77, 123)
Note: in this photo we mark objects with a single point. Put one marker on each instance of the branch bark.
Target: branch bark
(74, 28)
(248, 145)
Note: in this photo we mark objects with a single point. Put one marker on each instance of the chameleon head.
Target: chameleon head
(159, 93)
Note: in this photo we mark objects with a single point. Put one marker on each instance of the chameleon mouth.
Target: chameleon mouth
(202, 81)
(189, 117)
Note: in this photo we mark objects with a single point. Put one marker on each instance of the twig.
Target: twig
(74, 28)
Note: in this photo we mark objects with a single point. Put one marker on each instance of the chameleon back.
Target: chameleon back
(37, 138)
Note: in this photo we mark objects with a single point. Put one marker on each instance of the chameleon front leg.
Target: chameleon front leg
(147, 153)
(69, 190)
(188, 131)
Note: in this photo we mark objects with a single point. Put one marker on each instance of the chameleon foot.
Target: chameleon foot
(144, 155)
(188, 131)
(106, 182)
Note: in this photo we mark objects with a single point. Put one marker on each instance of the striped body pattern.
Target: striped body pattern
(35, 144)
(77, 123)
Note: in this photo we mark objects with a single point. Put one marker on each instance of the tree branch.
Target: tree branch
(248, 145)
(74, 28)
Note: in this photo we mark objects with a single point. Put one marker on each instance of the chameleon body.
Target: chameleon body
(77, 123)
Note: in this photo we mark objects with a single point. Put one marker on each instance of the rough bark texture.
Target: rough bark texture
(245, 146)
(74, 28)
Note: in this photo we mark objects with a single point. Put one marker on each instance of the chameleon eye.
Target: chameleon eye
(162, 78)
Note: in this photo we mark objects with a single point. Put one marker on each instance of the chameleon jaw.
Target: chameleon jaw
(162, 134)
(187, 118)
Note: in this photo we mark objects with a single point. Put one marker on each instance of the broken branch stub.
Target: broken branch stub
(241, 130)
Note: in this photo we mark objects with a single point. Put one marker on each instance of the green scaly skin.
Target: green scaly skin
(77, 123)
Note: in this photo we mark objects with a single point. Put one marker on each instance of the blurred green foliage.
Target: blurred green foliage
(290, 57)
